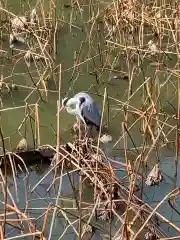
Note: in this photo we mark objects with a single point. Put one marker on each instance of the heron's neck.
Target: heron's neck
(72, 106)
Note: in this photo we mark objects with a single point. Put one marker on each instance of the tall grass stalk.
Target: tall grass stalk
(129, 56)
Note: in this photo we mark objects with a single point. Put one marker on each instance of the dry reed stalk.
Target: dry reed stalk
(37, 128)
(178, 125)
(4, 182)
(132, 179)
(154, 210)
(92, 214)
(16, 210)
(24, 164)
(141, 115)
(31, 124)
(14, 171)
(71, 224)
(58, 122)
(170, 238)
(78, 161)
(33, 234)
(43, 13)
(80, 189)
(45, 222)
(14, 108)
(55, 38)
(98, 143)
(119, 15)
(63, 156)
(1, 233)
(57, 200)
(127, 164)
(36, 85)
(76, 61)
(57, 156)
(70, 176)
(16, 220)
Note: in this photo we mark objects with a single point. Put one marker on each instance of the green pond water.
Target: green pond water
(70, 41)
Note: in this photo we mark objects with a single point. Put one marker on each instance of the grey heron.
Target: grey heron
(84, 108)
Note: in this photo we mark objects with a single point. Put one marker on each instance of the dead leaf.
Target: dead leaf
(154, 177)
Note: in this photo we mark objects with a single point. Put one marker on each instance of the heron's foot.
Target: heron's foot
(79, 129)
(86, 135)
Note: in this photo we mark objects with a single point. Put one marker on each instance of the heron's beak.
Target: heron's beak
(61, 109)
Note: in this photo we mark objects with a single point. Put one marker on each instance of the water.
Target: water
(69, 42)
(153, 195)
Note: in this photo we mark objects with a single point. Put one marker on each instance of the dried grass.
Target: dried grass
(132, 34)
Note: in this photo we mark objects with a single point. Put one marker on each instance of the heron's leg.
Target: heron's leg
(78, 124)
(87, 134)
(77, 121)
(75, 128)
(79, 128)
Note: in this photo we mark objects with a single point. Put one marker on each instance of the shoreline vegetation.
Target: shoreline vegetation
(131, 41)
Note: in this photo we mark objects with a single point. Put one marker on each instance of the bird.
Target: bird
(22, 145)
(19, 24)
(84, 108)
(15, 39)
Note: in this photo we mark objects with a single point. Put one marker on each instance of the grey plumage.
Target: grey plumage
(84, 108)
(89, 109)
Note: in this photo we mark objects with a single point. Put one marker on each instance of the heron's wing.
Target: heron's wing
(91, 112)
(85, 95)
(89, 109)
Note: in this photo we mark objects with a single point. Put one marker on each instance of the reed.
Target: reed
(126, 44)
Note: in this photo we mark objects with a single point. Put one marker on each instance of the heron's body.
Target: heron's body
(84, 108)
